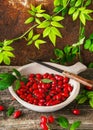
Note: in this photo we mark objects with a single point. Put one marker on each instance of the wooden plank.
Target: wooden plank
(30, 120)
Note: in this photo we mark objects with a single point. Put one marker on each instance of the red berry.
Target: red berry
(43, 119)
(17, 114)
(51, 119)
(1, 108)
(76, 111)
(43, 126)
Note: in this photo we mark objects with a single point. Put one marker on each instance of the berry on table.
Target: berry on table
(1, 108)
(76, 111)
(17, 114)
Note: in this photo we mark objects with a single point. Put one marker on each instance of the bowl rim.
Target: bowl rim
(56, 107)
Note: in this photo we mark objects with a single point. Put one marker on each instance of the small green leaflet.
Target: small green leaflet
(17, 85)
(17, 73)
(10, 111)
(46, 80)
(75, 125)
(63, 122)
(6, 80)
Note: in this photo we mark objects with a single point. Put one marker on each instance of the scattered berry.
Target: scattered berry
(17, 114)
(76, 111)
(1, 108)
(51, 119)
(43, 126)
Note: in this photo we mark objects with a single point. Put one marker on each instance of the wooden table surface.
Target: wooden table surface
(30, 119)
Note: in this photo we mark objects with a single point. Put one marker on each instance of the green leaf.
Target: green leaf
(46, 31)
(10, 111)
(59, 53)
(67, 49)
(57, 9)
(91, 102)
(90, 94)
(1, 57)
(91, 36)
(46, 80)
(35, 37)
(91, 48)
(88, 2)
(63, 122)
(78, 3)
(71, 10)
(37, 20)
(39, 15)
(17, 85)
(52, 37)
(56, 2)
(8, 54)
(6, 80)
(18, 74)
(90, 65)
(38, 42)
(82, 100)
(33, 8)
(87, 11)
(38, 7)
(46, 16)
(87, 44)
(6, 60)
(56, 24)
(31, 12)
(30, 34)
(57, 18)
(56, 32)
(75, 125)
(75, 15)
(30, 42)
(7, 42)
(82, 18)
(74, 50)
(29, 20)
(64, 3)
(44, 24)
(8, 48)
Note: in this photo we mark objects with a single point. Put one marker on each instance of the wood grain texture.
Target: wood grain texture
(30, 119)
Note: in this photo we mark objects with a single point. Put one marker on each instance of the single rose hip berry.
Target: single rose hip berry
(43, 126)
(43, 119)
(51, 119)
(76, 111)
(17, 114)
(1, 108)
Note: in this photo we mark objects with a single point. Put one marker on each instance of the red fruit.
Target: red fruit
(51, 119)
(89, 88)
(1, 108)
(17, 114)
(76, 111)
(43, 119)
(43, 126)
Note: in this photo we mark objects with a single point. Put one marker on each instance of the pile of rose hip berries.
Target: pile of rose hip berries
(45, 121)
(45, 89)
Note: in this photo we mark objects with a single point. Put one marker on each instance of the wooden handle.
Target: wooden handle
(80, 79)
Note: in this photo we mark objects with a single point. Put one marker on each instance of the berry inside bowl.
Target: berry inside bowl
(51, 90)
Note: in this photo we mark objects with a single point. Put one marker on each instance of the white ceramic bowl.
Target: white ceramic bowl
(37, 68)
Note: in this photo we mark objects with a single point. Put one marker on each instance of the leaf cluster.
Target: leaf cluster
(89, 43)
(48, 23)
(8, 79)
(64, 123)
(68, 54)
(84, 96)
(6, 51)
